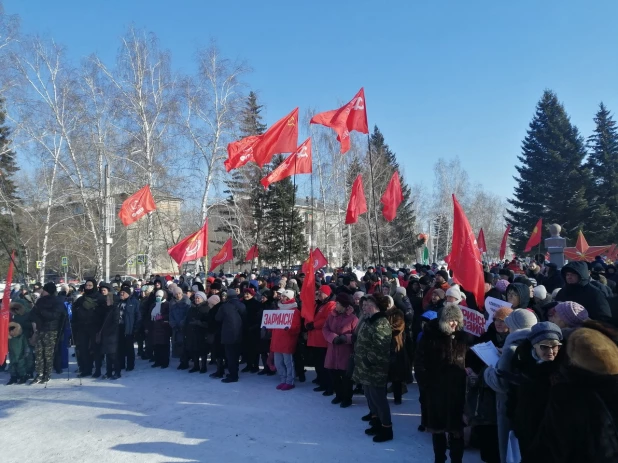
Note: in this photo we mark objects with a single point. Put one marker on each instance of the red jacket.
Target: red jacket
(284, 341)
(316, 337)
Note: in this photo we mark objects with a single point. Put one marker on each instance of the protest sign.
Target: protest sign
(277, 319)
(474, 322)
(491, 305)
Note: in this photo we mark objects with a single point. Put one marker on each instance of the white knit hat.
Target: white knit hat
(540, 292)
(455, 292)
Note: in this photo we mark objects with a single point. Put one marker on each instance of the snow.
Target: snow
(154, 415)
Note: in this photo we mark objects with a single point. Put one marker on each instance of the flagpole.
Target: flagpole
(375, 207)
(292, 216)
(312, 220)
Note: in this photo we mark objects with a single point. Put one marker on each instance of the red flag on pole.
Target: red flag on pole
(137, 206)
(225, 254)
(299, 162)
(504, 239)
(192, 247)
(352, 116)
(392, 198)
(535, 237)
(319, 261)
(281, 137)
(465, 258)
(357, 204)
(481, 242)
(307, 292)
(4, 312)
(252, 253)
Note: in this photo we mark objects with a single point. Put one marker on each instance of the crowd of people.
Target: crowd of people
(551, 397)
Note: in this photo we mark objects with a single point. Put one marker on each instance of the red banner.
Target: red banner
(319, 261)
(481, 242)
(252, 253)
(357, 204)
(505, 237)
(137, 206)
(299, 162)
(4, 313)
(193, 247)
(392, 198)
(307, 292)
(224, 255)
(535, 237)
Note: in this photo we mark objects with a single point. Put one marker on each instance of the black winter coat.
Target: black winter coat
(196, 329)
(579, 424)
(88, 309)
(109, 330)
(49, 313)
(232, 315)
(440, 372)
(254, 311)
(584, 293)
(161, 330)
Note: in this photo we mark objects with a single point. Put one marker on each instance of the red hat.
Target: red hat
(249, 290)
(210, 279)
(326, 290)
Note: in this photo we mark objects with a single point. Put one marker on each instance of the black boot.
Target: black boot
(439, 447)
(204, 367)
(367, 417)
(385, 433)
(375, 426)
(456, 449)
(84, 374)
(194, 369)
(182, 366)
(263, 371)
(22, 380)
(247, 369)
(97, 374)
(12, 380)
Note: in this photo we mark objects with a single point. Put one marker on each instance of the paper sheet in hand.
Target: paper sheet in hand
(487, 352)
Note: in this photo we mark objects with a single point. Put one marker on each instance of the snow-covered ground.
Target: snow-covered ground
(154, 415)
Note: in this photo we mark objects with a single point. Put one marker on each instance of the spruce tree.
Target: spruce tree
(282, 226)
(552, 183)
(602, 228)
(8, 190)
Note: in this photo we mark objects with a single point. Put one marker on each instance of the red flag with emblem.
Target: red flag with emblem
(465, 257)
(281, 137)
(252, 253)
(319, 261)
(481, 242)
(193, 247)
(299, 162)
(137, 206)
(357, 204)
(352, 116)
(307, 292)
(535, 237)
(505, 237)
(5, 314)
(392, 198)
(224, 255)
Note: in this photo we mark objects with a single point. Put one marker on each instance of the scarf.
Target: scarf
(156, 312)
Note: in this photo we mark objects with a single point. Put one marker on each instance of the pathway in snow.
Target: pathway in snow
(154, 415)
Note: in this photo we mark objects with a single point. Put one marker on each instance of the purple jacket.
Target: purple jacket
(338, 355)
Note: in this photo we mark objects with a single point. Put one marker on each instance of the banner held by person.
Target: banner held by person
(193, 247)
(4, 312)
(137, 206)
(474, 322)
(307, 292)
(319, 261)
(277, 319)
(491, 305)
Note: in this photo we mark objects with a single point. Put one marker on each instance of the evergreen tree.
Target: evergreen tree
(552, 182)
(8, 190)
(397, 240)
(602, 227)
(283, 228)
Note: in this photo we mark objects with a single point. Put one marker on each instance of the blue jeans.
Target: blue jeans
(285, 367)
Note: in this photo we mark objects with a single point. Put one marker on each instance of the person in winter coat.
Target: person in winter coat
(284, 341)
(568, 314)
(144, 344)
(518, 295)
(20, 314)
(337, 331)
(108, 339)
(213, 336)
(18, 350)
(316, 341)
(252, 331)
(49, 316)
(490, 291)
(403, 303)
(160, 330)
(371, 364)
(232, 315)
(540, 301)
(535, 373)
(441, 282)
(578, 289)
(579, 422)
(129, 320)
(88, 311)
(196, 331)
(179, 306)
(399, 364)
(441, 372)
(518, 322)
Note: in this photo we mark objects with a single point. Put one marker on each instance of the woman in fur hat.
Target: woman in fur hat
(441, 372)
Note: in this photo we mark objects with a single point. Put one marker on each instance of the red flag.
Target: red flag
(535, 237)
(307, 292)
(504, 239)
(137, 206)
(465, 258)
(4, 313)
(358, 203)
(481, 241)
(319, 261)
(252, 253)
(281, 137)
(392, 198)
(299, 162)
(225, 254)
(352, 116)
(192, 247)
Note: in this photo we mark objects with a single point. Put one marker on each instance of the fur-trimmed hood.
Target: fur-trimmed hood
(16, 332)
(17, 308)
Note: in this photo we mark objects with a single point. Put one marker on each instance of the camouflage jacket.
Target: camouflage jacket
(372, 351)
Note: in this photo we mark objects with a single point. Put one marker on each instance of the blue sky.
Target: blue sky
(442, 78)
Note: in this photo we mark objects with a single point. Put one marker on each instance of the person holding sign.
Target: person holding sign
(283, 342)
(441, 373)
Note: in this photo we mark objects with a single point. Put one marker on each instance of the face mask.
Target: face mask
(159, 298)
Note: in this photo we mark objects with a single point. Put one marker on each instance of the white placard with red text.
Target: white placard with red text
(277, 319)
(474, 322)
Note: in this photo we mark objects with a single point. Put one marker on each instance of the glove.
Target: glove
(339, 340)
(309, 326)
